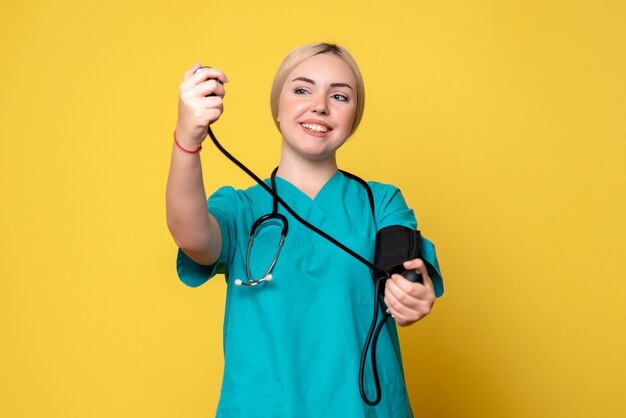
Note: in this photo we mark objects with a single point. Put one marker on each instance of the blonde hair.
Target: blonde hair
(304, 52)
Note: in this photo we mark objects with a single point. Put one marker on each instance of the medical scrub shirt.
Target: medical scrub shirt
(292, 346)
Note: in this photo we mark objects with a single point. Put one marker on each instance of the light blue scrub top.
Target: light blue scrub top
(292, 346)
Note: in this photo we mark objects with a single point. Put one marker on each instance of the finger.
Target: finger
(210, 114)
(418, 265)
(210, 102)
(398, 296)
(196, 99)
(403, 283)
(399, 318)
(415, 264)
(207, 88)
(200, 74)
(418, 294)
(428, 282)
(416, 290)
(398, 312)
(190, 71)
(205, 73)
(204, 111)
(407, 311)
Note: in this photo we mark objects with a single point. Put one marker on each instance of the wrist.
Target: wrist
(186, 147)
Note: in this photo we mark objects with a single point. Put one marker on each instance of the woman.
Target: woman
(292, 345)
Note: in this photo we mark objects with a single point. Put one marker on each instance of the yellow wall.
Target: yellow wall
(502, 122)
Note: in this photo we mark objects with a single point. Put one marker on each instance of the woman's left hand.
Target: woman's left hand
(406, 301)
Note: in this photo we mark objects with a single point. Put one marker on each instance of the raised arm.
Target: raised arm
(193, 228)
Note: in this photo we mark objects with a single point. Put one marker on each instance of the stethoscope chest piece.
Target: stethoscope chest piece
(268, 273)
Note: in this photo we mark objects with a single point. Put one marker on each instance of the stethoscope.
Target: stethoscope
(274, 215)
(270, 217)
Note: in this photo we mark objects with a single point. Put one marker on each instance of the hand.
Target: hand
(199, 104)
(406, 301)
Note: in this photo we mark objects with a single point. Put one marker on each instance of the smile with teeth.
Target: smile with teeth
(315, 127)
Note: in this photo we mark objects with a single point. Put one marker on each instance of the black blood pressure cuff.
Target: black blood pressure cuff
(395, 244)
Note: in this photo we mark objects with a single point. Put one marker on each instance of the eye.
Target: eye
(300, 91)
(340, 97)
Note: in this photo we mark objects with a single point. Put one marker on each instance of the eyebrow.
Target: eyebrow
(308, 80)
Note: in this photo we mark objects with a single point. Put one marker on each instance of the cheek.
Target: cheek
(287, 106)
(347, 117)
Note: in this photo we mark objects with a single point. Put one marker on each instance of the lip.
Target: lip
(315, 122)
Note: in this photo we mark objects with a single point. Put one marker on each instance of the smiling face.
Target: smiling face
(317, 107)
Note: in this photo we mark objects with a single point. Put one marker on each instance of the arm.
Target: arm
(193, 228)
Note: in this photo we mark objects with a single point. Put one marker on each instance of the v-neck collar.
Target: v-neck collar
(333, 179)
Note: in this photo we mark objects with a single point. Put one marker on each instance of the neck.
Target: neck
(307, 175)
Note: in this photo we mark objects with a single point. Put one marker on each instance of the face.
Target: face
(317, 106)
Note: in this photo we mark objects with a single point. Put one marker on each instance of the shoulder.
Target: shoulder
(382, 189)
(390, 206)
(230, 192)
(385, 193)
(223, 199)
(231, 199)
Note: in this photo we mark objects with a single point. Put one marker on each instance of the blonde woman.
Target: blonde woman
(292, 345)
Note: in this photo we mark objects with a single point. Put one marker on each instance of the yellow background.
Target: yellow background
(502, 122)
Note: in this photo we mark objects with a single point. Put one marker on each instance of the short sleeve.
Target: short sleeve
(223, 206)
(427, 251)
(391, 209)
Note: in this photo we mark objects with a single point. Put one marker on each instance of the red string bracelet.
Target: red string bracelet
(185, 149)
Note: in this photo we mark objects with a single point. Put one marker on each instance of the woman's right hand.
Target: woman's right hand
(199, 104)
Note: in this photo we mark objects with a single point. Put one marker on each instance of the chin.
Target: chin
(316, 152)
(312, 150)
(316, 156)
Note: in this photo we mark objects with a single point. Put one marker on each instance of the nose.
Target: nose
(321, 105)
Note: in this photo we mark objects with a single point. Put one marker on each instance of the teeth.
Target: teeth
(314, 127)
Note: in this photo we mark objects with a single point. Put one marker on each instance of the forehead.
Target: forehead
(324, 68)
